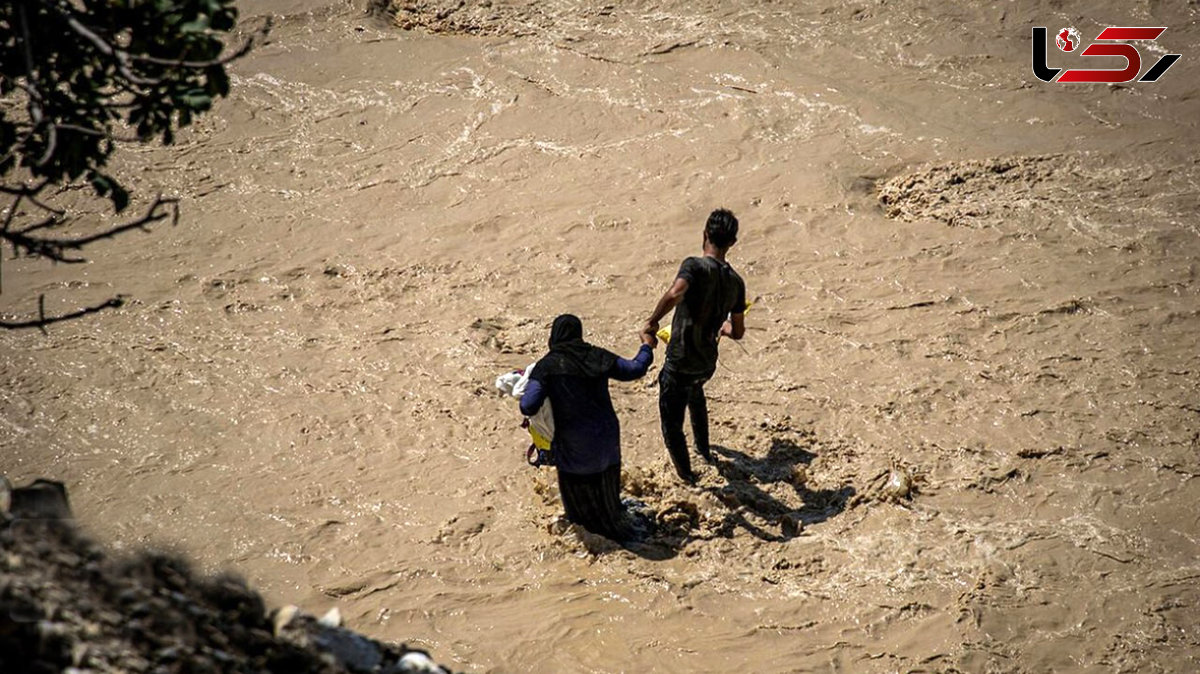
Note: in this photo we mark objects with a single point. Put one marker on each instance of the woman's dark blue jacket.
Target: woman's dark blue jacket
(587, 435)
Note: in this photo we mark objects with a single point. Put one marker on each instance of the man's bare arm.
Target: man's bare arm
(665, 304)
(735, 327)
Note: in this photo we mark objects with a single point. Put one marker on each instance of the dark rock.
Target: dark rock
(65, 605)
(40, 500)
(356, 652)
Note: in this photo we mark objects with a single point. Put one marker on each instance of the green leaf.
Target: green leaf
(196, 100)
(81, 84)
(198, 25)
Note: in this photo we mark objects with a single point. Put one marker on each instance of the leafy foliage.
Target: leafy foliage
(78, 78)
(151, 65)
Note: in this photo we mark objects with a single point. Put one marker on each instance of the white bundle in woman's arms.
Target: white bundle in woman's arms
(541, 425)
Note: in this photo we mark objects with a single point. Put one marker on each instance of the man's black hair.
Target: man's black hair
(721, 228)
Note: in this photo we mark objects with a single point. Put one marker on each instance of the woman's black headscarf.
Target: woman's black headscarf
(570, 355)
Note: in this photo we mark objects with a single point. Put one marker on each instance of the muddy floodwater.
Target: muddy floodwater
(975, 284)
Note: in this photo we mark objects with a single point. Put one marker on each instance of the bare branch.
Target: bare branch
(42, 320)
(35, 96)
(12, 213)
(152, 215)
(51, 144)
(25, 191)
(29, 89)
(96, 132)
(48, 222)
(31, 194)
(119, 56)
(58, 249)
(44, 206)
(183, 63)
(27, 44)
(47, 248)
(19, 144)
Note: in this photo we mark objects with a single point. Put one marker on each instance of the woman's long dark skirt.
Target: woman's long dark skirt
(594, 501)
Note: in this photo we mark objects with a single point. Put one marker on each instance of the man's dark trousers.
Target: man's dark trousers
(677, 392)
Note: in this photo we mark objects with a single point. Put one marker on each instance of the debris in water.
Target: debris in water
(899, 484)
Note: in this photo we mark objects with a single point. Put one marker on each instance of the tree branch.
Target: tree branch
(25, 191)
(123, 57)
(51, 144)
(79, 76)
(182, 63)
(96, 132)
(57, 249)
(119, 56)
(12, 213)
(42, 320)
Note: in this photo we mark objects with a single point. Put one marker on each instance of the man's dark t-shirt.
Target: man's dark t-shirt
(714, 290)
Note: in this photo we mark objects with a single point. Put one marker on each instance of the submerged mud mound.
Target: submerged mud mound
(1086, 194)
(970, 192)
(457, 17)
(64, 603)
(615, 33)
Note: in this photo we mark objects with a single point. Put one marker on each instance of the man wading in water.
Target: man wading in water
(706, 291)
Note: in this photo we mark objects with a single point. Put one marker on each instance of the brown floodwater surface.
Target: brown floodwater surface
(981, 281)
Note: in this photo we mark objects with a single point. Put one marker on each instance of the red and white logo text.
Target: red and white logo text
(1110, 42)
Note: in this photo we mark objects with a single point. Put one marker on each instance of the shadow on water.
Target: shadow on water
(758, 494)
(748, 490)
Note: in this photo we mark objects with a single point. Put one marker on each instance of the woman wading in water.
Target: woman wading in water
(587, 436)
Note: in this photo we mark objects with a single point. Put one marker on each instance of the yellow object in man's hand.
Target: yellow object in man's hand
(665, 333)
